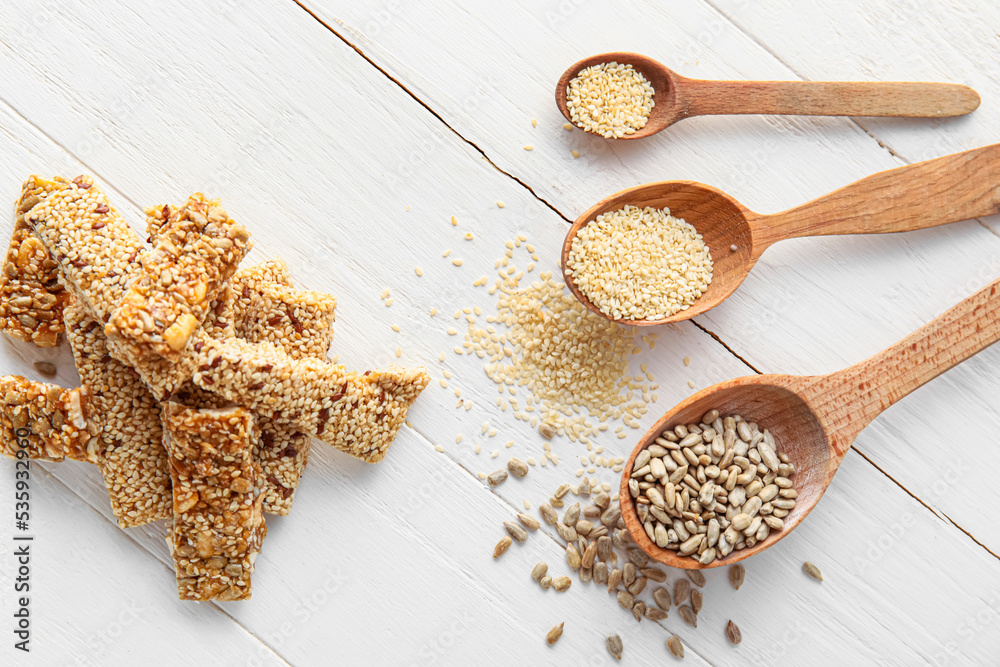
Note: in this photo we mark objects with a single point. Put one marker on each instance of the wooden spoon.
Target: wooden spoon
(676, 97)
(815, 419)
(946, 189)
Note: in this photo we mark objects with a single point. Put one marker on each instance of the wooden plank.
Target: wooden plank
(356, 518)
(810, 305)
(97, 598)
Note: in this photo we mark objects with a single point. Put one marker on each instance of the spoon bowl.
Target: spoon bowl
(815, 419)
(770, 401)
(926, 194)
(676, 97)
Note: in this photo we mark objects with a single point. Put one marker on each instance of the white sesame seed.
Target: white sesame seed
(418, 271)
(610, 99)
(500, 204)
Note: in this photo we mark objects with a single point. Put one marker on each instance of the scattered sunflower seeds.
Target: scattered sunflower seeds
(517, 467)
(539, 571)
(696, 601)
(697, 577)
(573, 557)
(545, 582)
(502, 546)
(548, 514)
(661, 596)
(515, 531)
(530, 522)
(733, 633)
(497, 477)
(614, 644)
(554, 634)
(655, 614)
(682, 589)
(675, 647)
(562, 584)
(737, 573)
(812, 571)
(689, 616)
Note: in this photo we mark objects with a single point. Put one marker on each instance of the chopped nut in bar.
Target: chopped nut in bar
(218, 525)
(197, 249)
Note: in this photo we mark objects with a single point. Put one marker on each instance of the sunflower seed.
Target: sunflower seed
(584, 527)
(697, 577)
(545, 582)
(675, 647)
(614, 578)
(639, 610)
(638, 556)
(568, 533)
(688, 615)
(554, 634)
(638, 585)
(586, 574)
(696, 601)
(600, 573)
(737, 573)
(682, 589)
(517, 467)
(572, 514)
(584, 488)
(539, 571)
(812, 571)
(614, 644)
(573, 557)
(562, 584)
(548, 514)
(501, 546)
(497, 477)
(587, 560)
(661, 596)
(562, 490)
(654, 574)
(626, 600)
(733, 632)
(655, 614)
(602, 500)
(515, 531)
(529, 522)
(603, 547)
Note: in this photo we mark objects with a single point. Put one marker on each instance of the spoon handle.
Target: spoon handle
(926, 194)
(853, 397)
(825, 98)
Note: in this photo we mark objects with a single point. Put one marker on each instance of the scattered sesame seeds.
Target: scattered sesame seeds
(388, 302)
(469, 236)
(534, 122)
(458, 438)
(640, 263)
(395, 327)
(399, 352)
(385, 293)
(454, 221)
(575, 153)
(733, 248)
(443, 383)
(456, 262)
(687, 361)
(691, 384)
(500, 204)
(567, 126)
(529, 147)
(610, 99)
(441, 357)
(434, 311)
(446, 252)
(439, 449)
(418, 271)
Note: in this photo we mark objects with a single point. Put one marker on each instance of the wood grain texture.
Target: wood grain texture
(271, 126)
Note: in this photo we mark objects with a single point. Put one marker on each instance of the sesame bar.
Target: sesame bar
(355, 413)
(298, 321)
(51, 422)
(93, 245)
(131, 455)
(197, 249)
(283, 453)
(31, 298)
(218, 525)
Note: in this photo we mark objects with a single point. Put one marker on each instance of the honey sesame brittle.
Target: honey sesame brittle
(197, 249)
(48, 422)
(218, 525)
(131, 455)
(356, 413)
(31, 298)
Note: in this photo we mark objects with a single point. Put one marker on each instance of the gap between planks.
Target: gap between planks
(523, 184)
(166, 566)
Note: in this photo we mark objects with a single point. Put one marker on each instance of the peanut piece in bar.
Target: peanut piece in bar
(218, 525)
(31, 298)
(197, 249)
(130, 455)
(356, 413)
(47, 422)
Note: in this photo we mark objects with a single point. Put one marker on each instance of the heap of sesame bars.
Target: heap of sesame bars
(203, 384)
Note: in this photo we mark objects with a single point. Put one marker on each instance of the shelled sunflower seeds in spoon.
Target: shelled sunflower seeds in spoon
(706, 490)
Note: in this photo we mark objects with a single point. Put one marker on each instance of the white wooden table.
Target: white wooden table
(345, 135)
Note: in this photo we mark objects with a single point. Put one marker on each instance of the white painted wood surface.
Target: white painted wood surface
(337, 168)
